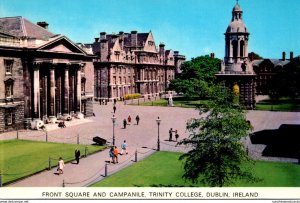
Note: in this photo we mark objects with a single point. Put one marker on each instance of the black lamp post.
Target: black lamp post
(114, 121)
(158, 123)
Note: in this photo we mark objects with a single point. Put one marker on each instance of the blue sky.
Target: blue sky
(193, 27)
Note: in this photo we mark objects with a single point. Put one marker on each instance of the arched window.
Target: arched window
(227, 48)
(235, 48)
(242, 46)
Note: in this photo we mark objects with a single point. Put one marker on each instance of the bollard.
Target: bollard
(135, 156)
(49, 167)
(247, 150)
(105, 171)
(63, 183)
(77, 138)
(17, 134)
(0, 179)
(46, 136)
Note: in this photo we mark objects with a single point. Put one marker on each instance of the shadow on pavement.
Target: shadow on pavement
(281, 142)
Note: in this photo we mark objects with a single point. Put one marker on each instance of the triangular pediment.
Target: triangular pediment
(150, 43)
(61, 45)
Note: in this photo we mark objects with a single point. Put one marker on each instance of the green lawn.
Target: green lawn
(177, 101)
(164, 169)
(20, 158)
(282, 104)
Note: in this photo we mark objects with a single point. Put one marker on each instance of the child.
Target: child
(61, 166)
(124, 147)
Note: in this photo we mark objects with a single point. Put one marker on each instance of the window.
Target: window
(8, 117)
(8, 63)
(9, 88)
(83, 86)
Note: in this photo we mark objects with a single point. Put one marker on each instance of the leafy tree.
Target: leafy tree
(196, 76)
(254, 56)
(217, 153)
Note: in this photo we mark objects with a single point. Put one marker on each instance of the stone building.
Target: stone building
(236, 68)
(132, 63)
(266, 71)
(43, 75)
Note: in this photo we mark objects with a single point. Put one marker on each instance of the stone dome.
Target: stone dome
(236, 26)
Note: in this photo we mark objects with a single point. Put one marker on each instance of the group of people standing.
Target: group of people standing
(171, 134)
(128, 121)
(114, 152)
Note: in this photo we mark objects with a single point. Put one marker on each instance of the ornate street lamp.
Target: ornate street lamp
(113, 118)
(158, 123)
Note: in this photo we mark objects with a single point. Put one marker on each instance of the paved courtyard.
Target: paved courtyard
(142, 137)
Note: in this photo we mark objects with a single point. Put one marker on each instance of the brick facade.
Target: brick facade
(131, 63)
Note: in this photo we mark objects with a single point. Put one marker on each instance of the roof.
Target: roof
(21, 27)
(141, 39)
(237, 26)
(275, 62)
(237, 8)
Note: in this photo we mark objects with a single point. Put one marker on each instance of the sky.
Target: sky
(192, 27)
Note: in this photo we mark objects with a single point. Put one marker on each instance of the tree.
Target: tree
(217, 153)
(254, 56)
(196, 76)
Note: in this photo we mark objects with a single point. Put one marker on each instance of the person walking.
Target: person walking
(176, 135)
(111, 154)
(124, 123)
(114, 108)
(61, 165)
(124, 147)
(77, 155)
(137, 118)
(129, 120)
(116, 153)
(170, 134)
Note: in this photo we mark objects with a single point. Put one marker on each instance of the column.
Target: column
(36, 90)
(45, 95)
(52, 90)
(66, 90)
(78, 90)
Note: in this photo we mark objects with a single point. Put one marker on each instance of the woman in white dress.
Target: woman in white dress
(61, 166)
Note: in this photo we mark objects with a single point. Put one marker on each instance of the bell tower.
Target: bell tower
(236, 69)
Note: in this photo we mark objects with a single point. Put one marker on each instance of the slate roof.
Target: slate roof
(21, 27)
(275, 62)
(141, 39)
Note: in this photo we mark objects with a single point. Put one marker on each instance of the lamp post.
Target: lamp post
(114, 121)
(158, 123)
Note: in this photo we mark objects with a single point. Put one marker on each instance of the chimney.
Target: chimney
(176, 53)
(102, 35)
(134, 38)
(114, 37)
(96, 39)
(43, 24)
(103, 49)
(212, 55)
(283, 56)
(161, 48)
(291, 55)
